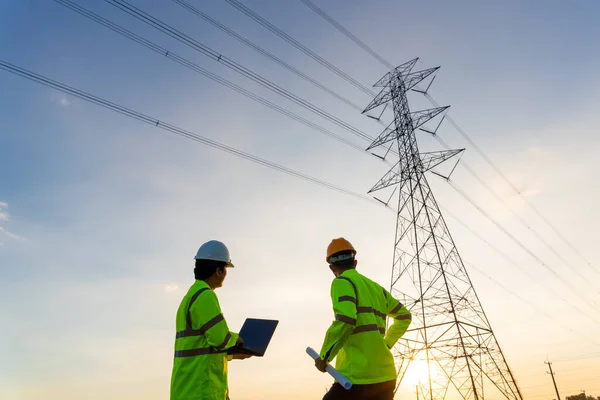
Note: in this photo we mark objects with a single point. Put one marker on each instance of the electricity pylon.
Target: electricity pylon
(449, 329)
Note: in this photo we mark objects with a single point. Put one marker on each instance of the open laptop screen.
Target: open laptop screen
(257, 334)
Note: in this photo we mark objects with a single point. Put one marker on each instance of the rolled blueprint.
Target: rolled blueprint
(341, 379)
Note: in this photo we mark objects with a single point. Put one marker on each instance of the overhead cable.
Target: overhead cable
(163, 49)
(299, 46)
(506, 257)
(266, 53)
(172, 128)
(194, 44)
(573, 289)
(513, 187)
(530, 304)
(196, 68)
(348, 34)
(338, 26)
(383, 61)
(520, 219)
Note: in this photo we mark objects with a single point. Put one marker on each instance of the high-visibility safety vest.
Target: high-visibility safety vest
(357, 339)
(201, 343)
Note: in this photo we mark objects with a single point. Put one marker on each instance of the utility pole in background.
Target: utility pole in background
(553, 380)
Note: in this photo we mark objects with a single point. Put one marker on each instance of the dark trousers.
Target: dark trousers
(373, 391)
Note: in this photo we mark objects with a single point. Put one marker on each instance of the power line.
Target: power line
(167, 52)
(512, 186)
(196, 68)
(517, 216)
(475, 205)
(538, 309)
(510, 260)
(522, 246)
(580, 357)
(172, 128)
(265, 53)
(348, 34)
(365, 47)
(299, 46)
(207, 51)
(244, 9)
(338, 26)
(187, 63)
(159, 25)
(382, 60)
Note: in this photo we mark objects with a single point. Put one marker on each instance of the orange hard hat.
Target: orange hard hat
(338, 245)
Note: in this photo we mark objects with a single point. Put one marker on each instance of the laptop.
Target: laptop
(257, 334)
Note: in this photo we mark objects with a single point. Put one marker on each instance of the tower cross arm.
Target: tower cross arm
(411, 80)
(383, 97)
(387, 135)
(392, 177)
(401, 69)
(433, 159)
(420, 117)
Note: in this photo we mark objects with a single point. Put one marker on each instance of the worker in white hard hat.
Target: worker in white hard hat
(203, 337)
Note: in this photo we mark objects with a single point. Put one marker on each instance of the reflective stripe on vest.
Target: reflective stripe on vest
(364, 309)
(194, 352)
(345, 319)
(347, 298)
(202, 330)
(353, 286)
(360, 309)
(397, 308)
(368, 328)
(198, 332)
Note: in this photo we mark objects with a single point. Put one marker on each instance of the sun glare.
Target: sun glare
(417, 372)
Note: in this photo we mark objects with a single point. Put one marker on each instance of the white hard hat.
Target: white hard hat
(214, 250)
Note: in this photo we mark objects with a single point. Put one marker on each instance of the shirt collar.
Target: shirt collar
(199, 284)
(349, 272)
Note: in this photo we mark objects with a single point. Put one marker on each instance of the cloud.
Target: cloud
(171, 287)
(4, 217)
(60, 99)
(3, 214)
(13, 236)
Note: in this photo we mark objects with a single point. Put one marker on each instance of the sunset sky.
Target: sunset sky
(101, 215)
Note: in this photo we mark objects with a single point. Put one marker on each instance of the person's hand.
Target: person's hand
(241, 356)
(320, 364)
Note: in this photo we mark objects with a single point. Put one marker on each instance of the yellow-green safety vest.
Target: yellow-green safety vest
(357, 339)
(201, 343)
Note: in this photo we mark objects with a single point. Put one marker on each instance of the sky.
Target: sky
(101, 215)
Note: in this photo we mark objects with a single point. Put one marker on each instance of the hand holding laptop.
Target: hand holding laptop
(240, 356)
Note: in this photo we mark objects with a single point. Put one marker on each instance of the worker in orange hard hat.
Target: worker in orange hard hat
(357, 338)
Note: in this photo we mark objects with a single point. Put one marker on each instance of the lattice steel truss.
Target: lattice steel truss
(450, 330)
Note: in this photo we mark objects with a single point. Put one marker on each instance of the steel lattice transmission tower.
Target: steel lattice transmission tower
(450, 330)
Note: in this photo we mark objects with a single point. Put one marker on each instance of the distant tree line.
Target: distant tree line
(582, 396)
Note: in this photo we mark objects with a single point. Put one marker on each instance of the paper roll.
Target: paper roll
(341, 379)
